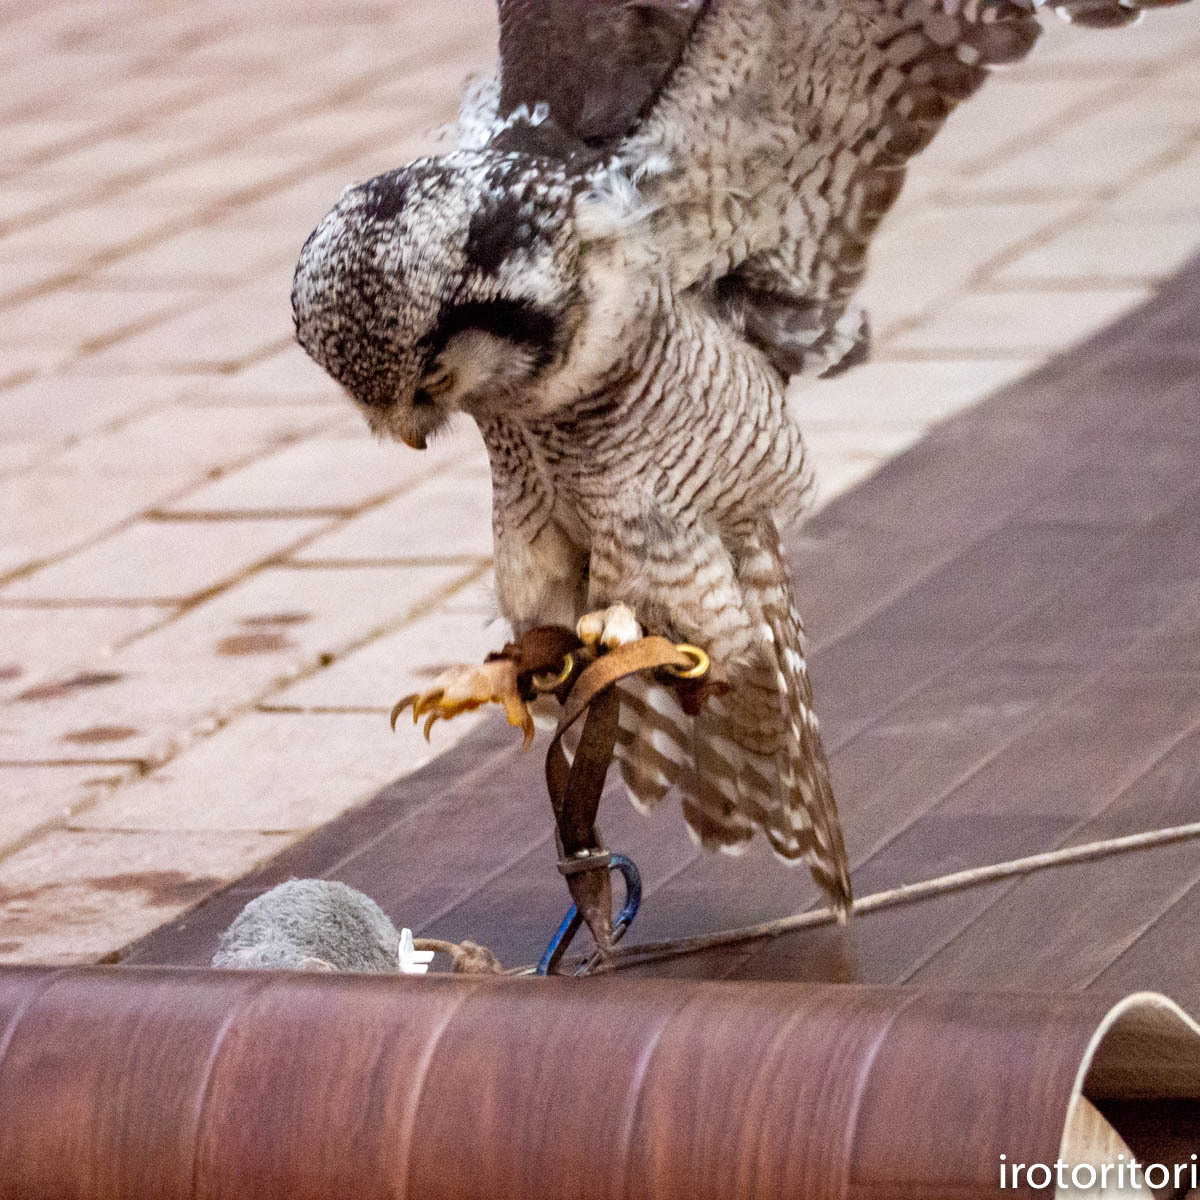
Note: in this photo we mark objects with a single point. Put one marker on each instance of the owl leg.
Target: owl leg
(462, 689)
(607, 628)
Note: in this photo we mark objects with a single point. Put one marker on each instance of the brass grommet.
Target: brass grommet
(551, 683)
(699, 667)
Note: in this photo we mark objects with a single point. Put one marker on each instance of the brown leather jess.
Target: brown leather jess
(587, 690)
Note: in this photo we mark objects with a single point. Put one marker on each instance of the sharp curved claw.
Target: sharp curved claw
(400, 706)
(463, 689)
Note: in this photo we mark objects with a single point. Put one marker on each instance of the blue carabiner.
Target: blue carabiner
(573, 920)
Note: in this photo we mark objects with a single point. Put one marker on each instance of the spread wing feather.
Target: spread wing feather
(767, 137)
(782, 139)
(598, 66)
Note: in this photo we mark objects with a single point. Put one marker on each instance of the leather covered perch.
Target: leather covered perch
(138, 1082)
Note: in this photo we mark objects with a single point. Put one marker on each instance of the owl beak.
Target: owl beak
(415, 441)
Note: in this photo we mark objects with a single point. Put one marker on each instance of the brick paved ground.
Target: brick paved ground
(212, 582)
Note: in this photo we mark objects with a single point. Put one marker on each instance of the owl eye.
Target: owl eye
(437, 383)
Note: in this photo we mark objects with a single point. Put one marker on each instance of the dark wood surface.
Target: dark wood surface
(1005, 625)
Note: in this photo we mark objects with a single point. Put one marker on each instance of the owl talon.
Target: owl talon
(462, 689)
(608, 628)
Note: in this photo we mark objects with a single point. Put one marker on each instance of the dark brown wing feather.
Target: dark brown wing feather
(598, 65)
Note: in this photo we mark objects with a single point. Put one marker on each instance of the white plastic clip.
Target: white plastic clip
(413, 962)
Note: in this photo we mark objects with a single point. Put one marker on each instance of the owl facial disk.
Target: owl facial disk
(443, 287)
(413, 423)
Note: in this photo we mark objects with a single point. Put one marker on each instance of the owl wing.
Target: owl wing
(782, 139)
(767, 138)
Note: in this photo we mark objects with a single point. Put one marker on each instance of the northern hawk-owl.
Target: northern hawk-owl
(656, 214)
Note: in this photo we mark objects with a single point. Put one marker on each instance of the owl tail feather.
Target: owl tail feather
(659, 747)
(651, 742)
(749, 761)
(813, 830)
(753, 758)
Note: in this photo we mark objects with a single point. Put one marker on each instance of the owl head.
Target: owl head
(448, 285)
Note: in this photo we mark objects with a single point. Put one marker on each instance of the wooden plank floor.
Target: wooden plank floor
(1006, 655)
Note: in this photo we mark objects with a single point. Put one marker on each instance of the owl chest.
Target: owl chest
(550, 491)
(558, 474)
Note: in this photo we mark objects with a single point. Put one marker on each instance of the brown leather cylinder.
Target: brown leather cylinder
(162, 1083)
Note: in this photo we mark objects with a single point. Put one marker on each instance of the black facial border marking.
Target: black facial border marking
(518, 321)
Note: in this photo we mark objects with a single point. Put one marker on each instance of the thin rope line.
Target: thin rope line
(907, 893)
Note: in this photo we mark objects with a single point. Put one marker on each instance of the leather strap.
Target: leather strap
(575, 787)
